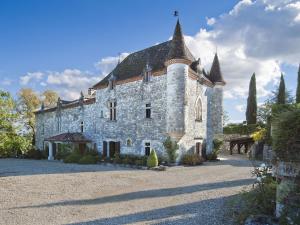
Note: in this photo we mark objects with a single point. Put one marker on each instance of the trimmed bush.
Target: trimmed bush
(63, 152)
(74, 157)
(171, 148)
(191, 159)
(152, 159)
(34, 154)
(88, 159)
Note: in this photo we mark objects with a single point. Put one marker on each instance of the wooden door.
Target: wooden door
(112, 149)
(104, 150)
(198, 148)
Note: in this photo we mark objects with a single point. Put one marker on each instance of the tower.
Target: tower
(177, 63)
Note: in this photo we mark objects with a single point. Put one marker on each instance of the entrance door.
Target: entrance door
(114, 147)
(104, 151)
(198, 148)
(81, 148)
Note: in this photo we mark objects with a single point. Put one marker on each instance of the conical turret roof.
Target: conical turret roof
(215, 74)
(178, 48)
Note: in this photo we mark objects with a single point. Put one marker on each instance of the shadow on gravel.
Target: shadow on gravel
(204, 212)
(156, 193)
(25, 167)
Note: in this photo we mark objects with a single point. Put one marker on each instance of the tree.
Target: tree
(171, 148)
(281, 95)
(152, 160)
(7, 112)
(28, 102)
(251, 111)
(298, 87)
(50, 98)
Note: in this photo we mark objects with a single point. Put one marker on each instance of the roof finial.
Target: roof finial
(176, 14)
(119, 60)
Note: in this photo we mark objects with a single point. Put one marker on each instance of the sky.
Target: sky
(69, 45)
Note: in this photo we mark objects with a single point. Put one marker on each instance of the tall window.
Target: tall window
(147, 73)
(111, 84)
(148, 110)
(147, 148)
(81, 127)
(112, 110)
(198, 110)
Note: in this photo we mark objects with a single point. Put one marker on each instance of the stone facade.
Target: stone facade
(181, 106)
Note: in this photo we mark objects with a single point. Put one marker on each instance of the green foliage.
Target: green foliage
(74, 157)
(258, 201)
(191, 159)
(251, 111)
(217, 143)
(281, 96)
(63, 151)
(171, 148)
(34, 154)
(240, 128)
(286, 133)
(88, 159)
(152, 159)
(298, 87)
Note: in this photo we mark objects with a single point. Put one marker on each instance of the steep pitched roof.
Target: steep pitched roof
(178, 49)
(215, 74)
(134, 64)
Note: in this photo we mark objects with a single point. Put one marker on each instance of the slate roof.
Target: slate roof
(215, 74)
(69, 137)
(134, 64)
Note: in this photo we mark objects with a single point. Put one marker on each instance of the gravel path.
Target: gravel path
(42, 192)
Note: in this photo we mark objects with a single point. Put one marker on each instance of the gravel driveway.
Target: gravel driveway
(43, 192)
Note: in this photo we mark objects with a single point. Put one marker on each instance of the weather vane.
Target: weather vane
(176, 13)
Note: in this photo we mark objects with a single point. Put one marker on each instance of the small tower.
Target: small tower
(177, 63)
(217, 97)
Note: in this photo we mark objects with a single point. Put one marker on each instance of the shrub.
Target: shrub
(191, 159)
(258, 201)
(88, 159)
(117, 159)
(63, 152)
(152, 159)
(139, 162)
(34, 154)
(74, 157)
(171, 148)
(92, 152)
(217, 143)
(286, 134)
(259, 135)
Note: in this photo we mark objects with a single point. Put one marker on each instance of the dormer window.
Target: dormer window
(147, 73)
(111, 82)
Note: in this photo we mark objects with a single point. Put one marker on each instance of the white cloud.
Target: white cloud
(240, 108)
(251, 39)
(107, 64)
(6, 82)
(210, 21)
(36, 76)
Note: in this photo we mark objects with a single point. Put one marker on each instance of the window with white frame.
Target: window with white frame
(198, 110)
(113, 110)
(81, 127)
(148, 110)
(147, 148)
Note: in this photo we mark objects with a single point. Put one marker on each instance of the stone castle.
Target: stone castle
(154, 93)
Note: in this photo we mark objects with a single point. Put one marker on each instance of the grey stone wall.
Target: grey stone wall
(173, 98)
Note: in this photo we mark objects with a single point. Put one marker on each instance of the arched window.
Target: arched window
(129, 142)
(198, 110)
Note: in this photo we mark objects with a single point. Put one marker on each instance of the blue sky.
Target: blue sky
(69, 45)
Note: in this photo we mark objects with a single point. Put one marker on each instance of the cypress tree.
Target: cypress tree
(251, 111)
(281, 98)
(298, 87)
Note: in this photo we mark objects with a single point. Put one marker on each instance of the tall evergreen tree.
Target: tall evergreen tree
(298, 87)
(281, 95)
(251, 111)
